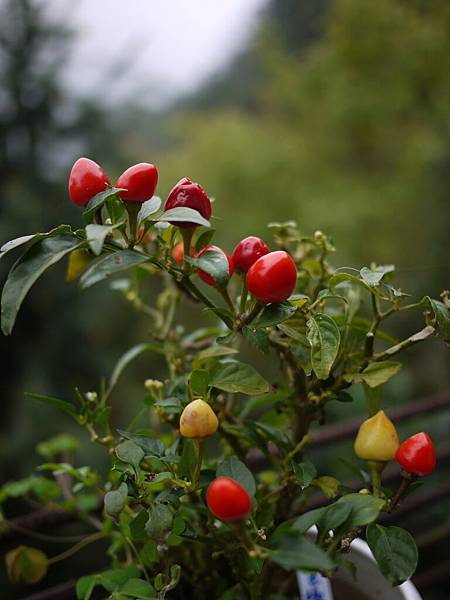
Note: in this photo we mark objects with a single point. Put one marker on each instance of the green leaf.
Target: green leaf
(257, 337)
(305, 472)
(297, 552)
(377, 373)
(28, 269)
(394, 550)
(149, 207)
(137, 526)
(24, 239)
(324, 337)
(233, 468)
(96, 235)
(85, 586)
(150, 446)
(214, 263)
(211, 353)
(372, 277)
(274, 314)
(115, 500)
(442, 316)
(198, 382)
(335, 515)
(204, 239)
(188, 460)
(127, 358)
(130, 453)
(183, 214)
(160, 520)
(234, 376)
(138, 589)
(308, 519)
(113, 580)
(365, 509)
(63, 405)
(328, 485)
(97, 202)
(110, 264)
(302, 354)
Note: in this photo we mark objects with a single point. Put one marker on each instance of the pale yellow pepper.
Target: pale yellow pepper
(198, 420)
(377, 439)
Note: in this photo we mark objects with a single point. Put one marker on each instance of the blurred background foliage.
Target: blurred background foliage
(335, 115)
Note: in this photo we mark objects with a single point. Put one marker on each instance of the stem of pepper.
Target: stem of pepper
(186, 234)
(226, 296)
(198, 467)
(407, 479)
(244, 294)
(132, 209)
(376, 467)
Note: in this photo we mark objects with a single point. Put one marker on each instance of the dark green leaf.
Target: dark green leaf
(183, 214)
(308, 519)
(63, 405)
(274, 314)
(305, 472)
(223, 314)
(394, 550)
(296, 552)
(204, 239)
(442, 316)
(214, 263)
(324, 337)
(138, 589)
(302, 354)
(137, 526)
(335, 515)
(130, 453)
(150, 446)
(365, 509)
(24, 239)
(159, 521)
(233, 468)
(113, 580)
(115, 500)
(257, 337)
(211, 353)
(28, 269)
(234, 376)
(110, 264)
(189, 459)
(97, 202)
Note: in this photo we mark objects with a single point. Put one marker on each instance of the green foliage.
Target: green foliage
(395, 551)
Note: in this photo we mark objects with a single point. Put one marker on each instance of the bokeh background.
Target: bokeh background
(334, 113)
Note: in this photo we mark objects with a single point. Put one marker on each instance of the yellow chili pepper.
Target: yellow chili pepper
(198, 420)
(377, 439)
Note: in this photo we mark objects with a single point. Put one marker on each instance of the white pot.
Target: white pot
(369, 585)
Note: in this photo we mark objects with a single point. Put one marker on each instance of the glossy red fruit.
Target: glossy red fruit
(187, 194)
(273, 277)
(247, 252)
(206, 277)
(87, 179)
(139, 181)
(227, 500)
(417, 454)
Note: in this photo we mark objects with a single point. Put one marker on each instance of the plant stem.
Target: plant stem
(132, 210)
(407, 479)
(226, 296)
(376, 468)
(198, 467)
(244, 294)
(90, 539)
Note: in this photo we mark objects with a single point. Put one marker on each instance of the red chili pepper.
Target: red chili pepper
(139, 182)
(87, 179)
(187, 194)
(273, 277)
(206, 277)
(247, 252)
(228, 500)
(417, 454)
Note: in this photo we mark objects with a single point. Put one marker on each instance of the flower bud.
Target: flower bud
(198, 420)
(377, 439)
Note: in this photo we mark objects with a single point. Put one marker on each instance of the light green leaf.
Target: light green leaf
(211, 353)
(138, 589)
(150, 446)
(234, 376)
(85, 586)
(113, 580)
(159, 521)
(183, 214)
(97, 202)
(128, 357)
(24, 239)
(198, 383)
(377, 373)
(394, 550)
(372, 277)
(148, 208)
(305, 472)
(324, 336)
(328, 485)
(96, 235)
(110, 264)
(442, 316)
(28, 269)
(233, 468)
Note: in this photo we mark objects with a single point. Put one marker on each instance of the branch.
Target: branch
(414, 339)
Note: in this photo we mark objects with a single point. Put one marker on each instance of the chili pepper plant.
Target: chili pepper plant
(207, 495)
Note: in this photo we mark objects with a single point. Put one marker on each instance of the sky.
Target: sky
(158, 49)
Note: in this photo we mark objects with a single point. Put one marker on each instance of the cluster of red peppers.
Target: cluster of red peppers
(271, 278)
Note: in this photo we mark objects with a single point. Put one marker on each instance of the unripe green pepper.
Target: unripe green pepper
(377, 439)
